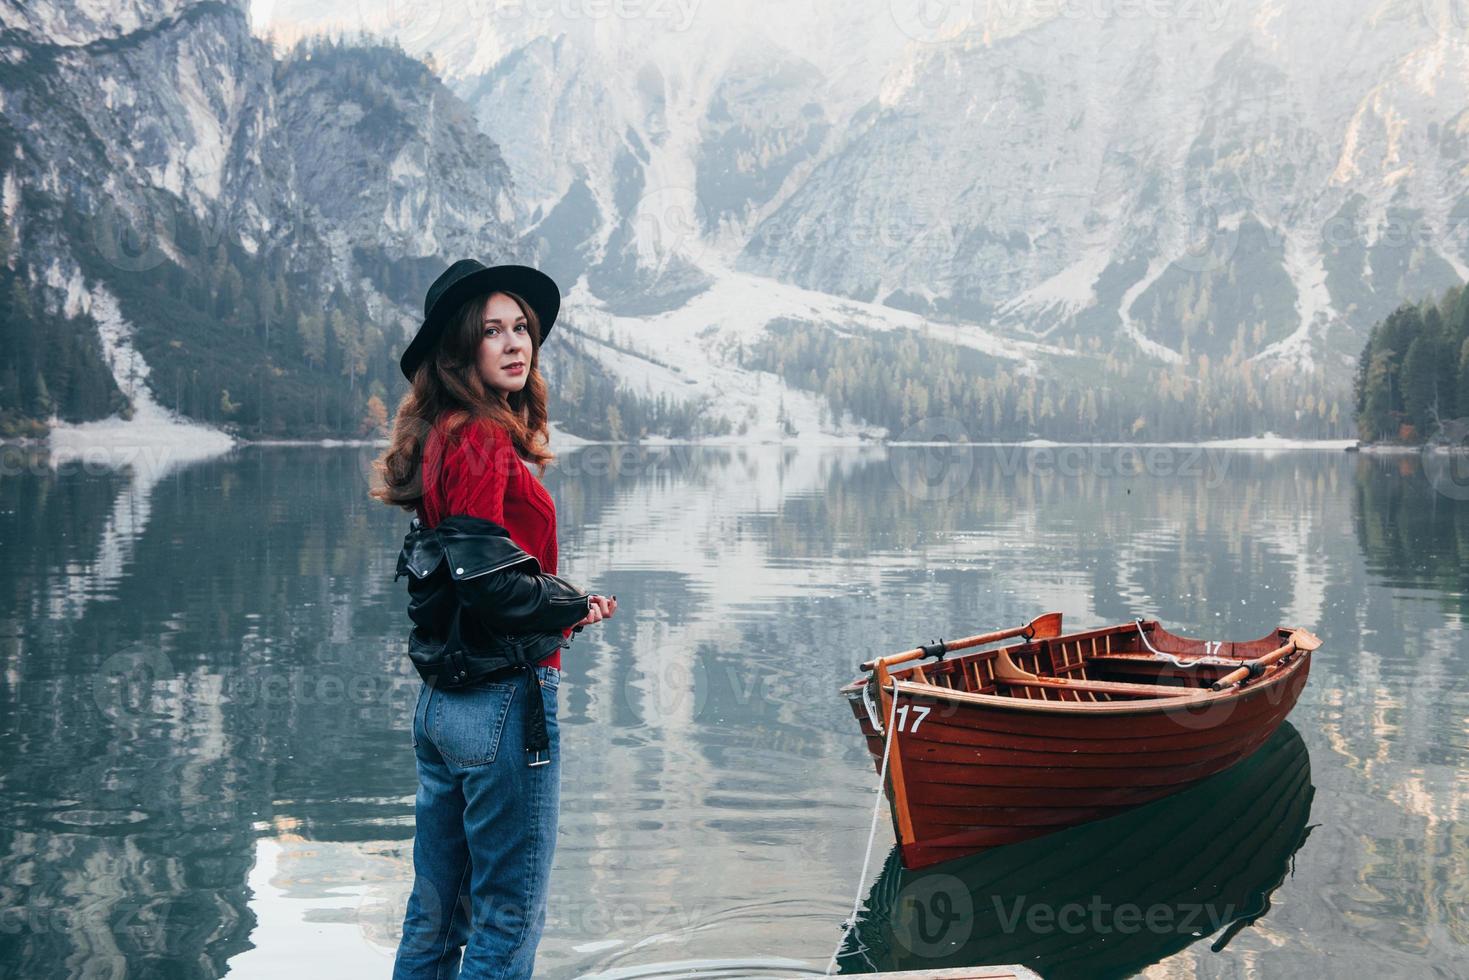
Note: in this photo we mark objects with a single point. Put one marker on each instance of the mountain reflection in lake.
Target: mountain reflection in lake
(207, 766)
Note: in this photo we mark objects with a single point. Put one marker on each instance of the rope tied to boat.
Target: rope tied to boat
(1184, 664)
(1142, 634)
(882, 777)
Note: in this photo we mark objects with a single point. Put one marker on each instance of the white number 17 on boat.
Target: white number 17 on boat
(920, 712)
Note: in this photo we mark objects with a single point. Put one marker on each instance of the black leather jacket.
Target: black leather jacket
(482, 607)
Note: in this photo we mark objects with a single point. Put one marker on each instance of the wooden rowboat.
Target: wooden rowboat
(1004, 744)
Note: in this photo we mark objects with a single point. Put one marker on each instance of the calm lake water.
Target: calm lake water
(205, 705)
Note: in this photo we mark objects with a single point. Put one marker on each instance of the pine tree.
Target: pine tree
(1463, 399)
(1420, 383)
(265, 306)
(313, 338)
(1378, 418)
(1364, 366)
(1458, 321)
(350, 343)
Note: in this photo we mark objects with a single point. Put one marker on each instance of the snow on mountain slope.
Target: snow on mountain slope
(1061, 296)
(1230, 181)
(1258, 180)
(636, 142)
(636, 157)
(692, 352)
(153, 440)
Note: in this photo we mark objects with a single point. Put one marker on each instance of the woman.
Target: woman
(489, 612)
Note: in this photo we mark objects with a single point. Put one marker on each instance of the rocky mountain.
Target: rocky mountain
(1261, 180)
(1101, 222)
(1127, 192)
(203, 226)
(214, 232)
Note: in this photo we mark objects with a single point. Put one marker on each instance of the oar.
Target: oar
(1041, 627)
(1299, 640)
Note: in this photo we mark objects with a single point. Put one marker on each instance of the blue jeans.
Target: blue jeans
(485, 833)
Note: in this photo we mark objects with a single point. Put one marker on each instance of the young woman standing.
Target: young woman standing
(490, 619)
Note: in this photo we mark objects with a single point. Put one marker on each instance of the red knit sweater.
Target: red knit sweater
(476, 471)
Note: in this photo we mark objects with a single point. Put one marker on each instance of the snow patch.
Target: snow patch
(1064, 294)
(152, 442)
(1271, 441)
(1124, 310)
(561, 439)
(687, 353)
(10, 195)
(1304, 265)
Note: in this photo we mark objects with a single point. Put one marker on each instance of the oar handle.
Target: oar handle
(1047, 625)
(1254, 667)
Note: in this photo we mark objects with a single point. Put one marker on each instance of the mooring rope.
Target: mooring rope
(882, 778)
(1209, 661)
(1186, 664)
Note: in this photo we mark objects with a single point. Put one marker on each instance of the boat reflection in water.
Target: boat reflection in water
(1106, 898)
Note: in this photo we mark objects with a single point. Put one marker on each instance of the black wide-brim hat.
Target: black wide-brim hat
(467, 278)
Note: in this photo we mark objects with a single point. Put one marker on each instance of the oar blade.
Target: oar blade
(1045, 627)
(1305, 640)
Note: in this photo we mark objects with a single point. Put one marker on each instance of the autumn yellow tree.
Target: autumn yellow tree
(375, 419)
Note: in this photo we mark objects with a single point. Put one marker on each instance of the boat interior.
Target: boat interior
(1121, 663)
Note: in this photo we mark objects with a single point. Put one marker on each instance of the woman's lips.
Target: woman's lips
(515, 369)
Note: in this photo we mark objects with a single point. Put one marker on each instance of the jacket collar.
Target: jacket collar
(472, 546)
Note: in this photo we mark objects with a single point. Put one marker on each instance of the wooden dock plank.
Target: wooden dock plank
(964, 973)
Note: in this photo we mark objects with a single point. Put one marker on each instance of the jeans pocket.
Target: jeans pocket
(468, 722)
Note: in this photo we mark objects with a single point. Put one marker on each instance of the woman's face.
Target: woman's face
(504, 352)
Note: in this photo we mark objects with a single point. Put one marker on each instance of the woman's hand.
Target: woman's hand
(599, 607)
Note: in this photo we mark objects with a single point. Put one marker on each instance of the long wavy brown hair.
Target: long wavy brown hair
(448, 391)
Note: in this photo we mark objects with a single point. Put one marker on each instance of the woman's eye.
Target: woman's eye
(489, 331)
(521, 327)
